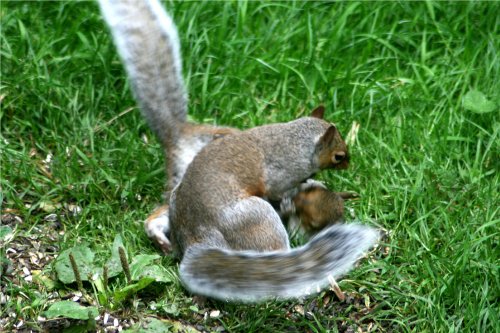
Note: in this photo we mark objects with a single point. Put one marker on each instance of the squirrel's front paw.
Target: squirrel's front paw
(287, 207)
(310, 184)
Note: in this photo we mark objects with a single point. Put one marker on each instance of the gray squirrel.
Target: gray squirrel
(219, 220)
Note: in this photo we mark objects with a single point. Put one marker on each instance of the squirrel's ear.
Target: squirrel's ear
(319, 112)
(329, 135)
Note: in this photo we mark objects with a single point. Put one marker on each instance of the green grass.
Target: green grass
(426, 167)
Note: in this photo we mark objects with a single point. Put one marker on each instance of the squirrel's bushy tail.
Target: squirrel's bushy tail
(248, 276)
(148, 44)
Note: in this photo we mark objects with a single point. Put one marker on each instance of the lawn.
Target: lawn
(80, 166)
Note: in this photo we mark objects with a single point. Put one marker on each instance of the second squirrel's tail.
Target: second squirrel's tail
(249, 276)
(148, 44)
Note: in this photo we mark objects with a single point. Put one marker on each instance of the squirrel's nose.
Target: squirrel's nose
(338, 157)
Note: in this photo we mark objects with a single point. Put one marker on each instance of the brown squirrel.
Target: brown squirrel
(311, 207)
(221, 179)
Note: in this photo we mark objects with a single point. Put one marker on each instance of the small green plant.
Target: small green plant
(73, 310)
(141, 272)
(477, 102)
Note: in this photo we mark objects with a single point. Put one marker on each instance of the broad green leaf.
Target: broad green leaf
(73, 310)
(114, 264)
(5, 264)
(477, 102)
(84, 258)
(152, 325)
(5, 233)
(157, 272)
(142, 266)
(171, 308)
(142, 260)
(131, 289)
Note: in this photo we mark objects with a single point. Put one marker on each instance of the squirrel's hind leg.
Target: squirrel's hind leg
(157, 227)
(253, 224)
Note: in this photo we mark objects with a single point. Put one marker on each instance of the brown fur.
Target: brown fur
(337, 158)
(318, 207)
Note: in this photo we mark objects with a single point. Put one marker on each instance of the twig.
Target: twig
(336, 289)
(109, 122)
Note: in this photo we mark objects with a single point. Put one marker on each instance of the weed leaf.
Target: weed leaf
(131, 289)
(139, 263)
(5, 233)
(151, 325)
(142, 266)
(84, 258)
(171, 308)
(73, 310)
(114, 264)
(477, 102)
(5, 264)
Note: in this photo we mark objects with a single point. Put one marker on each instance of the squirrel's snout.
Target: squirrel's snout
(338, 157)
(340, 160)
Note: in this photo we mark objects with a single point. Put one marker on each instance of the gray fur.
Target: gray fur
(148, 43)
(249, 276)
(289, 151)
